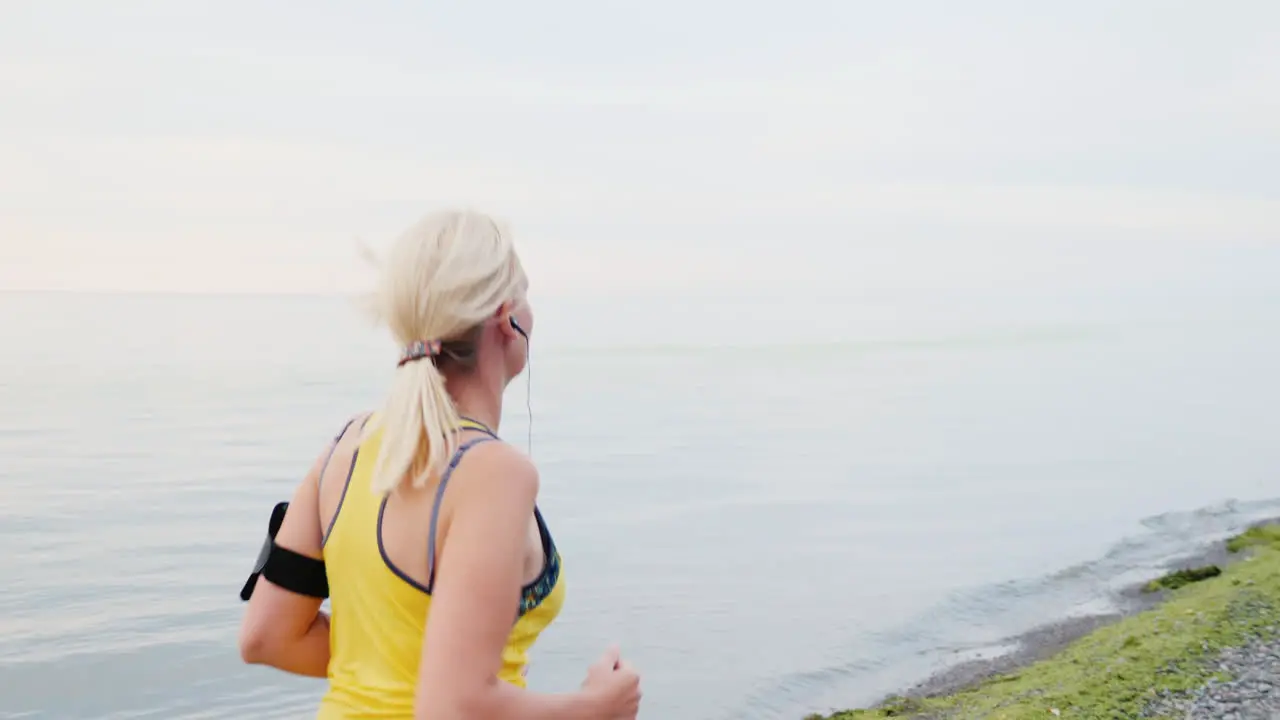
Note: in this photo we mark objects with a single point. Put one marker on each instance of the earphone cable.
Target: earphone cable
(528, 393)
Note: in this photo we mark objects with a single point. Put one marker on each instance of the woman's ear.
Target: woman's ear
(507, 323)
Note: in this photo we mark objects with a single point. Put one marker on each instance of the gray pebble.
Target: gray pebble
(1249, 694)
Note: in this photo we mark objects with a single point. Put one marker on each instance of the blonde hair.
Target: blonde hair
(440, 281)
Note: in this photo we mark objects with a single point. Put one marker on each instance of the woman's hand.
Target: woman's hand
(615, 685)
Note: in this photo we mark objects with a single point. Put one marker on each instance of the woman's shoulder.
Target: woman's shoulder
(344, 445)
(497, 469)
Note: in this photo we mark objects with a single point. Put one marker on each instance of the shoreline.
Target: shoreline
(942, 694)
(1046, 640)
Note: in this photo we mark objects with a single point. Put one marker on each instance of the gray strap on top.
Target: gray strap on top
(435, 508)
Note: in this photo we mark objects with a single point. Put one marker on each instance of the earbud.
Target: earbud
(516, 326)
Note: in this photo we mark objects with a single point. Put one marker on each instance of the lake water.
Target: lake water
(773, 506)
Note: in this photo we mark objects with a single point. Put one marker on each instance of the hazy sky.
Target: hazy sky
(654, 146)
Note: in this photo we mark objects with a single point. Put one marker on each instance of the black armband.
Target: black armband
(286, 568)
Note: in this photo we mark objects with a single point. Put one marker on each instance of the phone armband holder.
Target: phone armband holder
(290, 570)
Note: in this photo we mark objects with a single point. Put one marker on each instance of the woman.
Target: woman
(426, 523)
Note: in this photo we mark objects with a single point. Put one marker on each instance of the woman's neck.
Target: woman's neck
(477, 402)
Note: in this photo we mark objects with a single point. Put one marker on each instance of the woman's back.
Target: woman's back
(374, 550)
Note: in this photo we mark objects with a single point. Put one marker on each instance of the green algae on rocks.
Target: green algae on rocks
(1179, 578)
(1118, 670)
(1255, 536)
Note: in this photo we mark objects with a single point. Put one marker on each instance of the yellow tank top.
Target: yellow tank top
(378, 614)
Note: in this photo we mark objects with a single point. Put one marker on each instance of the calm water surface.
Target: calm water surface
(767, 528)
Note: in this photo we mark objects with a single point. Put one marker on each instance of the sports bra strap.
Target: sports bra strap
(435, 507)
(333, 446)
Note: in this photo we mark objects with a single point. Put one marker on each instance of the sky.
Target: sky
(654, 147)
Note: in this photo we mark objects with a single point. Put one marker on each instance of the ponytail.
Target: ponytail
(418, 423)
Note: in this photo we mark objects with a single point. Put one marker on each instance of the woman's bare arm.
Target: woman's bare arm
(476, 595)
(283, 629)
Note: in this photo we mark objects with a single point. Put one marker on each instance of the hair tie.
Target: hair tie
(420, 349)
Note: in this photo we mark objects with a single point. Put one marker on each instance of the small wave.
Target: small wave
(1225, 516)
